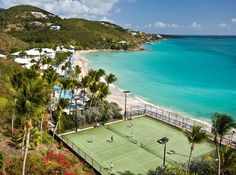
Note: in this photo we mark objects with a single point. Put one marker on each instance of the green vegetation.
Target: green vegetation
(21, 30)
(196, 136)
(26, 103)
(136, 158)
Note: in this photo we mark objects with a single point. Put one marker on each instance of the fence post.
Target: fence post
(156, 112)
(183, 123)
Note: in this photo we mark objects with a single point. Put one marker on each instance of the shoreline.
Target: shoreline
(117, 94)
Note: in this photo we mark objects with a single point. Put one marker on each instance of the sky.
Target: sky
(184, 17)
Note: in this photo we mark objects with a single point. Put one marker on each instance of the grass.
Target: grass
(128, 157)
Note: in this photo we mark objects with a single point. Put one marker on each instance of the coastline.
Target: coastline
(117, 95)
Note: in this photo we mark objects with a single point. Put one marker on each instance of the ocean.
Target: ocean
(195, 76)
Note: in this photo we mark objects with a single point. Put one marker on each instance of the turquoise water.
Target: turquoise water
(193, 76)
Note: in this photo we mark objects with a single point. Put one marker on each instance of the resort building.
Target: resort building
(39, 15)
(55, 27)
(35, 53)
(3, 56)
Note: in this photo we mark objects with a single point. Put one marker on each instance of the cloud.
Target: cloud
(104, 18)
(69, 8)
(223, 25)
(160, 24)
(148, 26)
(118, 10)
(233, 20)
(174, 25)
(195, 25)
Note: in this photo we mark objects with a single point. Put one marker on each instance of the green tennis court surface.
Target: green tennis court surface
(129, 156)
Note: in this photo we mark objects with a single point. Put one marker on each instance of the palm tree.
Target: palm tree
(228, 160)
(51, 77)
(16, 82)
(23, 54)
(62, 104)
(103, 91)
(32, 96)
(111, 78)
(221, 124)
(196, 136)
(93, 89)
(85, 81)
(65, 85)
(77, 71)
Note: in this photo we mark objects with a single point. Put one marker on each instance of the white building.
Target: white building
(39, 15)
(3, 56)
(55, 27)
(34, 53)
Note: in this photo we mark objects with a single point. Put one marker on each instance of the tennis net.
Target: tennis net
(151, 150)
(132, 140)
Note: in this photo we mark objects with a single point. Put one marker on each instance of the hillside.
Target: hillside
(34, 29)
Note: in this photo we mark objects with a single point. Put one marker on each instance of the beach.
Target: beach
(116, 95)
(133, 102)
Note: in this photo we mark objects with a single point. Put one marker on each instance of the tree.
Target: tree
(196, 136)
(16, 82)
(77, 71)
(62, 104)
(65, 85)
(111, 78)
(32, 96)
(22, 54)
(228, 160)
(221, 124)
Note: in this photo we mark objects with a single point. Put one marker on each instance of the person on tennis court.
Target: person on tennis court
(111, 166)
(131, 124)
(132, 133)
(112, 139)
(93, 138)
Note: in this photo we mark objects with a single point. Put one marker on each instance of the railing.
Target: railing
(85, 156)
(173, 119)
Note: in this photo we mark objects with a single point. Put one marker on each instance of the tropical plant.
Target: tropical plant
(221, 124)
(62, 104)
(202, 167)
(196, 136)
(32, 95)
(228, 161)
(111, 78)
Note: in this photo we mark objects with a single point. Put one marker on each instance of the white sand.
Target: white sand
(117, 94)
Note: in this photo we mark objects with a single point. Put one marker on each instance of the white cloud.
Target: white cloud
(233, 20)
(174, 25)
(195, 25)
(223, 25)
(104, 18)
(160, 24)
(69, 8)
(148, 26)
(118, 10)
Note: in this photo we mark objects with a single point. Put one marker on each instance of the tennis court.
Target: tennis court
(134, 147)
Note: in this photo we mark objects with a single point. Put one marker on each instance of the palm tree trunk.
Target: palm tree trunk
(12, 123)
(55, 129)
(23, 142)
(91, 101)
(60, 94)
(219, 160)
(190, 155)
(28, 126)
(41, 129)
(12, 119)
(221, 138)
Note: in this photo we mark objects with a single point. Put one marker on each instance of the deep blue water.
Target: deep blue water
(195, 76)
